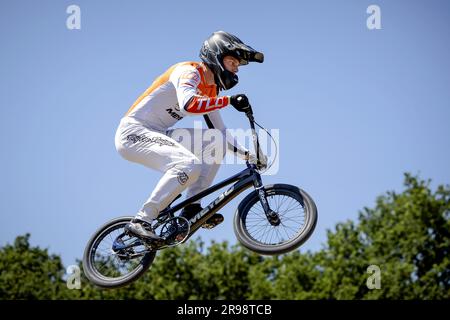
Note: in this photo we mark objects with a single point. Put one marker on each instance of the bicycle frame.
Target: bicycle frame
(242, 181)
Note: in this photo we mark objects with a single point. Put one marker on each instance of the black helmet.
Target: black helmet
(221, 44)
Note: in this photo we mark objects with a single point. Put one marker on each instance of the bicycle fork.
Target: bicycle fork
(272, 216)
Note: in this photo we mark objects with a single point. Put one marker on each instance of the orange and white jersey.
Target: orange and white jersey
(179, 92)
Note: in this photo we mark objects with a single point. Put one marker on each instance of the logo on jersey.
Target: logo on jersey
(189, 78)
(182, 177)
(158, 140)
(210, 103)
(190, 75)
(174, 114)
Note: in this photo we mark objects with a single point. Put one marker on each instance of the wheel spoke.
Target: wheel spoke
(108, 263)
(292, 217)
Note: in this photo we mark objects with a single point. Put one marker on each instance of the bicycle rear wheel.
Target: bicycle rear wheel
(113, 259)
(297, 213)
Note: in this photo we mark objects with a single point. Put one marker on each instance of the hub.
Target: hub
(273, 217)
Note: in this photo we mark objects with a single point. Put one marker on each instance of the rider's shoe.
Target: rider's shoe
(192, 209)
(142, 229)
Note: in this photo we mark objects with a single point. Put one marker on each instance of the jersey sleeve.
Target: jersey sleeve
(214, 121)
(186, 80)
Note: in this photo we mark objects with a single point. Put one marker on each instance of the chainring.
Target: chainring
(174, 231)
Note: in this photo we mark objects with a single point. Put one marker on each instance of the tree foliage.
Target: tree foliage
(30, 272)
(406, 235)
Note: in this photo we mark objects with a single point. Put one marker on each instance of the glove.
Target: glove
(262, 164)
(240, 102)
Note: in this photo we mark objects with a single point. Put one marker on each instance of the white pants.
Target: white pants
(188, 158)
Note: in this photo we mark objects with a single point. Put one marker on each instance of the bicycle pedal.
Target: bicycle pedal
(213, 222)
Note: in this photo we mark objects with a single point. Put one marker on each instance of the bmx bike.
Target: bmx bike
(272, 219)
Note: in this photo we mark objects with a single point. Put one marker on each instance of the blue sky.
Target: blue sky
(356, 108)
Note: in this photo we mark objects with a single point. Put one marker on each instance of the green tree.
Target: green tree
(407, 235)
(193, 272)
(29, 272)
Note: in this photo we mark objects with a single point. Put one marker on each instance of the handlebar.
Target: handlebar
(251, 119)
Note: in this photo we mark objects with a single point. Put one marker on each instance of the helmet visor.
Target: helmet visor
(246, 56)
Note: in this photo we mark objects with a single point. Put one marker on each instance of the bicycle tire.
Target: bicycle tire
(107, 282)
(248, 240)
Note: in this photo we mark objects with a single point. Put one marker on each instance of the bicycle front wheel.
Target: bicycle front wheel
(297, 213)
(113, 259)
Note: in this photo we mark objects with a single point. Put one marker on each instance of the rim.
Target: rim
(292, 215)
(114, 265)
